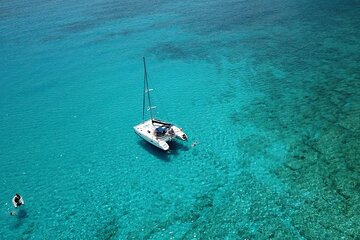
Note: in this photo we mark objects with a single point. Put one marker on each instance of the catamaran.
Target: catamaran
(155, 131)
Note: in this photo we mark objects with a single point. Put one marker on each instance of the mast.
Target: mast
(146, 91)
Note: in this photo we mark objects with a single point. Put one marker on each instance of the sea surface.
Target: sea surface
(269, 91)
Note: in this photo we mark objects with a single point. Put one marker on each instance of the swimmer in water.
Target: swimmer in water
(194, 143)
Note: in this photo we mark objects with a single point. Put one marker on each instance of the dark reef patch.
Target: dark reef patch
(109, 230)
(185, 51)
(97, 14)
(322, 161)
(79, 26)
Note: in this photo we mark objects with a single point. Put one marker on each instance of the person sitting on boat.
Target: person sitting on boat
(171, 132)
(17, 200)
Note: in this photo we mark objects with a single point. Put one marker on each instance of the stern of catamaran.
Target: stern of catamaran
(179, 133)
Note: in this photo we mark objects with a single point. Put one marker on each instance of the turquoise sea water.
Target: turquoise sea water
(269, 89)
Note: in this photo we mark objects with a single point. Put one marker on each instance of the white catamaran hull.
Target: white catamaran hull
(147, 131)
(179, 133)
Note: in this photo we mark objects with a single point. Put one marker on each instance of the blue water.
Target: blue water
(270, 90)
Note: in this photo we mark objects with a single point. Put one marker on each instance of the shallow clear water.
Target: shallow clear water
(270, 90)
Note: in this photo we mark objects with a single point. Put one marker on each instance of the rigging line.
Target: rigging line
(147, 88)
(144, 90)
(157, 99)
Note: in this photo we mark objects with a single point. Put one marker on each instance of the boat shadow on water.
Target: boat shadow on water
(175, 149)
